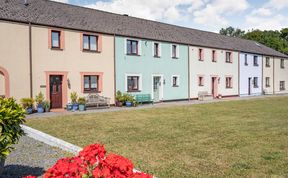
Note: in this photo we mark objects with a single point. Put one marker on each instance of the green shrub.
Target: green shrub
(82, 100)
(119, 97)
(11, 116)
(74, 97)
(40, 99)
(46, 104)
(27, 102)
(128, 98)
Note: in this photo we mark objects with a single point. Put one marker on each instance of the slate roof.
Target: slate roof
(45, 12)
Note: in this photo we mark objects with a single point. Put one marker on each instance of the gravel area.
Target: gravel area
(31, 157)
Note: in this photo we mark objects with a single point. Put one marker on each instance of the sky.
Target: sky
(208, 15)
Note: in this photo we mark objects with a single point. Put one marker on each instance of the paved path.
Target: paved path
(31, 157)
(157, 105)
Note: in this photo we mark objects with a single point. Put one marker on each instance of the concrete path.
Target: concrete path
(145, 106)
(31, 157)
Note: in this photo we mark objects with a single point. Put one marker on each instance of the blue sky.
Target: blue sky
(209, 15)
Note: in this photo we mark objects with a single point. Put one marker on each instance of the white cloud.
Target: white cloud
(63, 1)
(268, 17)
(215, 12)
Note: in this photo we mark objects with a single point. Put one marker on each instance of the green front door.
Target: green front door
(156, 88)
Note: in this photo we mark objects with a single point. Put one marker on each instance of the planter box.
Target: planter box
(82, 107)
(2, 163)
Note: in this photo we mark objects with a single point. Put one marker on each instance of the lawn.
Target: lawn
(227, 139)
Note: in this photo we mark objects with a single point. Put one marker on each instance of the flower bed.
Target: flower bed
(92, 162)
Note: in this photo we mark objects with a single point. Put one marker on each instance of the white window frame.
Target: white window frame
(178, 80)
(139, 45)
(130, 75)
(177, 51)
(159, 47)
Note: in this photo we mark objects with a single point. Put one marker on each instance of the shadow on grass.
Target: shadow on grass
(18, 171)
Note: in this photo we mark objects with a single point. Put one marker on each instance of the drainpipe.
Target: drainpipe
(239, 73)
(30, 60)
(115, 69)
(188, 73)
(262, 78)
(274, 75)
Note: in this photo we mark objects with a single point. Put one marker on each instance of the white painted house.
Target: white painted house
(250, 72)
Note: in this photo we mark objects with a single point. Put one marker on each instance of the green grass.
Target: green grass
(227, 139)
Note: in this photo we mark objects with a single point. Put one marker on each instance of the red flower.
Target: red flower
(93, 153)
(29, 176)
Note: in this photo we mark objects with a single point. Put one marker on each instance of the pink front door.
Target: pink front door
(215, 87)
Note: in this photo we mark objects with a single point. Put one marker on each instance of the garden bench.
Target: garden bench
(96, 101)
(143, 98)
(204, 95)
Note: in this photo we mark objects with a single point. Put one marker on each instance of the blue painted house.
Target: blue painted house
(151, 67)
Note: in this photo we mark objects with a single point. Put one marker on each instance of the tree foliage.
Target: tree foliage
(274, 39)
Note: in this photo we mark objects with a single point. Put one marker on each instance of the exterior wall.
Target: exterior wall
(146, 65)
(250, 71)
(209, 69)
(2, 85)
(280, 75)
(71, 61)
(14, 50)
(268, 72)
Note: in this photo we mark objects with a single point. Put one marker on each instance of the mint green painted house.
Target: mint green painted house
(151, 67)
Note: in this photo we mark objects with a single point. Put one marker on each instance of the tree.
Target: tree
(231, 31)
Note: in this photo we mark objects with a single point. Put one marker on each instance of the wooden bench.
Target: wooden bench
(143, 98)
(96, 101)
(204, 96)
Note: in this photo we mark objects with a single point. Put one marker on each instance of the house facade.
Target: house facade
(268, 75)
(280, 75)
(214, 71)
(151, 67)
(250, 72)
(62, 61)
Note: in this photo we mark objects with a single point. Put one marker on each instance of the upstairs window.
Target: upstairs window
(175, 81)
(282, 85)
(90, 42)
(91, 83)
(267, 62)
(214, 56)
(267, 82)
(156, 50)
(201, 81)
(229, 82)
(255, 82)
(282, 64)
(246, 60)
(132, 83)
(55, 39)
(228, 57)
(255, 61)
(201, 55)
(175, 51)
(132, 47)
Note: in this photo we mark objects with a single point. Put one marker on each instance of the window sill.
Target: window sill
(132, 54)
(214, 61)
(156, 56)
(134, 91)
(201, 85)
(175, 58)
(88, 92)
(246, 64)
(282, 67)
(267, 86)
(175, 86)
(56, 49)
(268, 66)
(90, 51)
(201, 60)
(229, 87)
(256, 87)
(256, 65)
(229, 62)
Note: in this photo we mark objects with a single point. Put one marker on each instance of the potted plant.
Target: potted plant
(27, 104)
(39, 100)
(119, 99)
(74, 97)
(12, 115)
(46, 105)
(82, 103)
(128, 99)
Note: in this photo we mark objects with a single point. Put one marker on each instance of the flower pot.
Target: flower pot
(128, 104)
(75, 107)
(119, 104)
(40, 109)
(47, 109)
(82, 107)
(69, 107)
(29, 110)
(2, 163)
